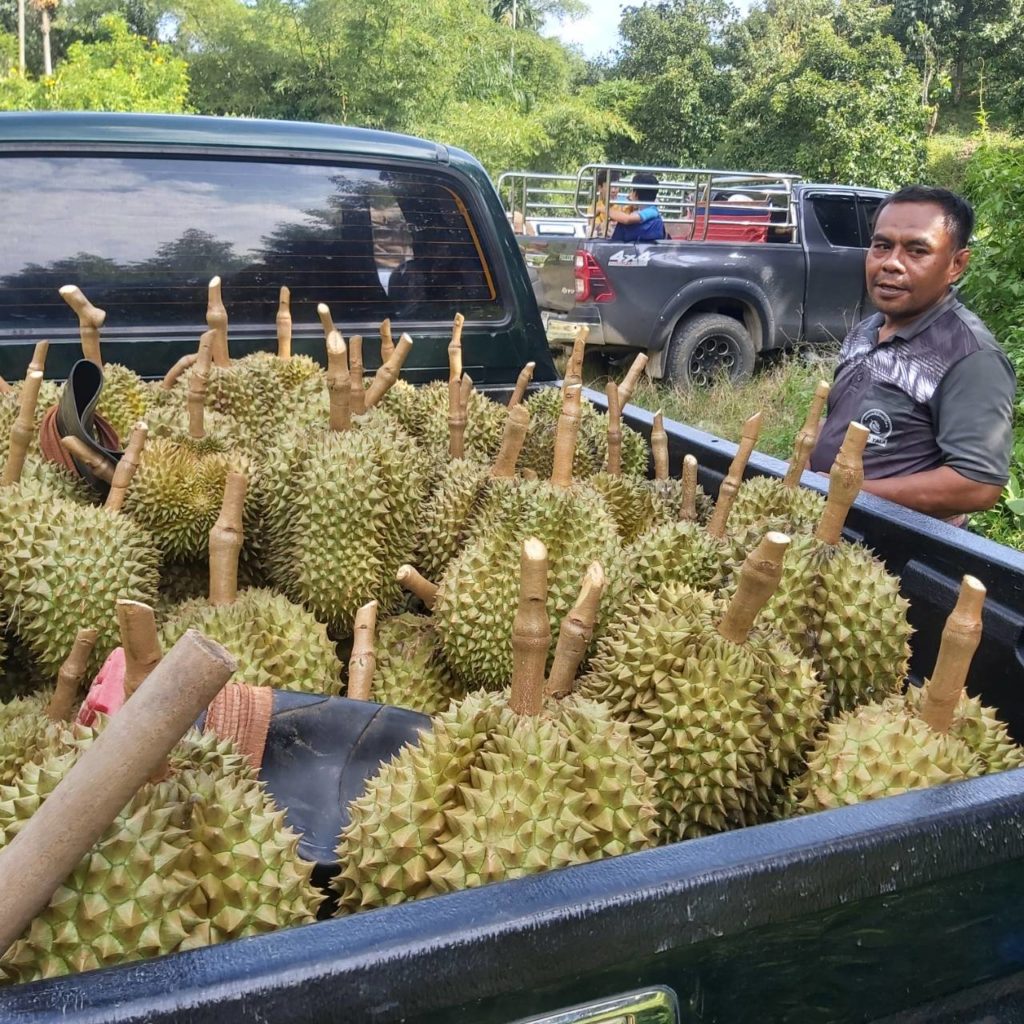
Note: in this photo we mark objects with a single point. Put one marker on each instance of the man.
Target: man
(924, 374)
(642, 222)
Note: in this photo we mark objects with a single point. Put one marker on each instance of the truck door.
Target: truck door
(868, 206)
(834, 248)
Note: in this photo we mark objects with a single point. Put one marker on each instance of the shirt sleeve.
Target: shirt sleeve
(646, 213)
(974, 417)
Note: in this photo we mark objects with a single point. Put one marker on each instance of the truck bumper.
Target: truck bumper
(561, 327)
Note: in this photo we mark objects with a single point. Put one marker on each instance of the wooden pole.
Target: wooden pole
(522, 383)
(531, 630)
(90, 320)
(731, 483)
(387, 345)
(23, 429)
(123, 756)
(614, 464)
(363, 662)
(566, 435)
(844, 483)
(339, 391)
(140, 641)
(226, 537)
(688, 507)
(70, 676)
(284, 324)
(355, 374)
(576, 632)
(198, 384)
(516, 426)
(388, 372)
(126, 468)
(84, 454)
(807, 436)
(217, 321)
(419, 586)
(632, 378)
(960, 639)
(759, 578)
(659, 447)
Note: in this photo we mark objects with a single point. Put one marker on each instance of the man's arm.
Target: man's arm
(941, 492)
(624, 217)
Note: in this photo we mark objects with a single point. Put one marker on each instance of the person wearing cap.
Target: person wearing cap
(923, 374)
(641, 223)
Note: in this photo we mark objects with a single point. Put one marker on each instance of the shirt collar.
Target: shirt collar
(924, 321)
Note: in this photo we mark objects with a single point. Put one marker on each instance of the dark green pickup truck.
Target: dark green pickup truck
(904, 909)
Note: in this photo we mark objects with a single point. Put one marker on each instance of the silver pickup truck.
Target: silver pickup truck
(752, 262)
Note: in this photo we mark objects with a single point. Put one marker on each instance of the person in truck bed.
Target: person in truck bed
(923, 374)
(641, 223)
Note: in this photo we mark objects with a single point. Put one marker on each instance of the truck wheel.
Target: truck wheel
(707, 346)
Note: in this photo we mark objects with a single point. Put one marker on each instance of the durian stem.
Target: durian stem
(355, 374)
(759, 578)
(39, 356)
(632, 378)
(419, 586)
(516, 426)
(323, 311)
(465, 393)
(387, 345)
(960, 638)
(198, 384)
(613, 466)
(76, 447)
(574, 366)
(284, 324)
(174, 373)
(575, 633)
(659, 447)
(688, 507)
(217, 321)
(455, 348)
(522, 383)
(339, 391)
(363, 661)
(807, 437)
(226, 537)
(731, 483)
(23, 428)
(141, 644)
(126, 468)
(90, 320)
(5, 388)
(115, 766)
(566, 434)
(456, 421)
(844, 483)
(531, 630)
(388, 372)
(70, 676)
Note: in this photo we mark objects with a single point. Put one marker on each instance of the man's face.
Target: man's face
(912, 260)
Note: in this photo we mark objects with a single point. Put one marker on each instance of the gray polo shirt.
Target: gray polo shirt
(939, 392)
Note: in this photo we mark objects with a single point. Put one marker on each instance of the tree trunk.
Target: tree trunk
(21, 37)
(47, 60)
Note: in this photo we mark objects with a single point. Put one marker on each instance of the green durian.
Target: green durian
(679, 552)
(455, 498)
(630, 501)
(765, 503)
(124, 399)
(25, 734)
(411, 671)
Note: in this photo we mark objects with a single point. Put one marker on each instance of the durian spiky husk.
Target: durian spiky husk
(679, 552)
(199, 857)
(276, 643)
(764, 503)
(411, 671)
(489, 794)
(630, 501)
(839, 607)
(874, 751)
(26, 734)
(668, 500)
(448, 513)
(476, 603)
(63, 567)
(49, 392)
(124, 400)
(46, 480)
(721, 725)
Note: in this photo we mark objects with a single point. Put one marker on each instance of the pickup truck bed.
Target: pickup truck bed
(900, 910)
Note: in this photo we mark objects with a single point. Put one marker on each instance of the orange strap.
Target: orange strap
(54, 451)
(241, 714)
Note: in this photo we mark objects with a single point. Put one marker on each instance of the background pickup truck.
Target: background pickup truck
(784, 264)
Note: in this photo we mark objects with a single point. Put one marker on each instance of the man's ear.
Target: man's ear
(960, 260)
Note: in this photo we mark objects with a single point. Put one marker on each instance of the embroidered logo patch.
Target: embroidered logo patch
(878, 422)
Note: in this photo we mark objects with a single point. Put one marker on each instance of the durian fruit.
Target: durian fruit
(503, 785)
(722, 710)
(124, 399)
(675, 498)
(340, 506)
(276, 643)
(766, 503)
(837, 605)
(683, 551)
(887, 748)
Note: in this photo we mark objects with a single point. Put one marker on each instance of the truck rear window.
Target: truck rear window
(142, 237)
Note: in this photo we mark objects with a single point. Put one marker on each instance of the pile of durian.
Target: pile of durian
(610, 661)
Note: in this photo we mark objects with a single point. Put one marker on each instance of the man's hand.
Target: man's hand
(942, 492)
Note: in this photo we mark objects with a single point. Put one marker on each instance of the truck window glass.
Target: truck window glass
(837, 216)
(868, 208)
(142, 237)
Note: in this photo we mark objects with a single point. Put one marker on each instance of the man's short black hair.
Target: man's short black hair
(958, 212)
(645, 195)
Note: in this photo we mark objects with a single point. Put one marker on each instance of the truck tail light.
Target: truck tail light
(591, 283)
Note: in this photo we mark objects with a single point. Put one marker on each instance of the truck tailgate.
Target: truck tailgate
(550, 262)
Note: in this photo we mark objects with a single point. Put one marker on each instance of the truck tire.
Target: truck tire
(706, 346)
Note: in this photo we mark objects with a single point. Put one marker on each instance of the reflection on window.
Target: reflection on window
(142, 237)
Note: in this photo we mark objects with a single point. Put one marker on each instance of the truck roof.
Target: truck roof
(217, 132)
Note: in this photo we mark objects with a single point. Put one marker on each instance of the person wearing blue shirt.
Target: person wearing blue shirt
(643, 223)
